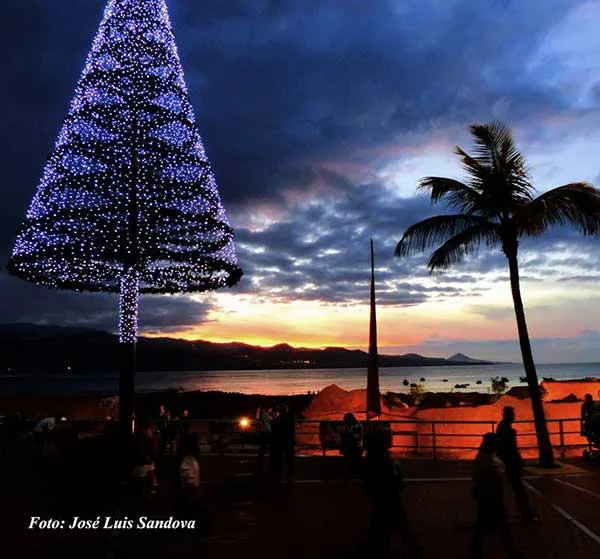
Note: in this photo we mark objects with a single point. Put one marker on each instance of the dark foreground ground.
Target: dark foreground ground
(318, 516)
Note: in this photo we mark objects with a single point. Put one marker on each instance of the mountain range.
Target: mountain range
(26, 348)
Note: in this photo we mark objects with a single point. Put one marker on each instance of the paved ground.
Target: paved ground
(318, 516)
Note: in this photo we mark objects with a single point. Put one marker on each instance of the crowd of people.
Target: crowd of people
(277, 435)
(163, 450)
(498, 462)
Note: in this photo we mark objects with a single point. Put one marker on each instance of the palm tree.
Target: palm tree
(496, 206)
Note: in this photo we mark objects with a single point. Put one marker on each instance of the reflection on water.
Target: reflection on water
(293, 381)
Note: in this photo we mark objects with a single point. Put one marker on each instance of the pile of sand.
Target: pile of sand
(561, 389)
(458, 430)
(333, 402)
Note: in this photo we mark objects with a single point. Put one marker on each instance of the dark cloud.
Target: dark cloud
(323, 253)
(287, 87)
(283, 89)
(23, 302)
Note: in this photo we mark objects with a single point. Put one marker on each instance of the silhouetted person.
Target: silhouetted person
(162, 419)
(186, 426)
(488, 491)
(509, 454)
(587, 412)
(144, 454)
(352, 445)
(283, 443)
(265, 418)
(169, 439)
(384, 483)
(189, 474)
(44, 430)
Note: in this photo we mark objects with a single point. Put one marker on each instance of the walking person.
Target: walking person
(42, 433)
(488, 492)
(384, 484)
(189, 475)
(162, 418)
(588, 409)
(283, 443)
(352, 445)
(265, 418)
(169, 439)
(508, 452)
(144, 456)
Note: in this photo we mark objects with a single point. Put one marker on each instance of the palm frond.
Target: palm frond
(478, 173)
(435, 230)
(463, 244)
(576, 204)
(494, 143)
(497, 168)
(488, 139)
(458, 195)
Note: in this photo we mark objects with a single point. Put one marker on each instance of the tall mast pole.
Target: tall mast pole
(373, 399)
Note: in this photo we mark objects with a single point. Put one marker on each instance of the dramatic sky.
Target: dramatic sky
(320, 116)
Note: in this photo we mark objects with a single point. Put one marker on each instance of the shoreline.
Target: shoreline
(219, 404)
(286, 382)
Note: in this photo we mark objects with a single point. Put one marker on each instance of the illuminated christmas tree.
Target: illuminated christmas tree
(128, 201)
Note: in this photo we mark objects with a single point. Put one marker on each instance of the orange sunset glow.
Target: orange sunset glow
(256, 321)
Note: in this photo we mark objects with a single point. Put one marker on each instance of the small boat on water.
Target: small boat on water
(461, 385)
(478, 382)
(422, 379)
(444, 380)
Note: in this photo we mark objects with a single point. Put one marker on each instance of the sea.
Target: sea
(292, 381)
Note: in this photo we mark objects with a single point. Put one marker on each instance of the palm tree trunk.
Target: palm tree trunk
(541, 428)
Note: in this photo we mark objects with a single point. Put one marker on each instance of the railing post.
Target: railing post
(562, 439)
(433, 445)
(417, 442)
(493, 424)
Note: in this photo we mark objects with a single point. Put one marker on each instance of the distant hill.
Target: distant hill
(33, 348)
(464, 359)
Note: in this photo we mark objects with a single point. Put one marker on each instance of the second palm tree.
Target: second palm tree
(496, 206)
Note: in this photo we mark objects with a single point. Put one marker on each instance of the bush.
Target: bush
(499, 385)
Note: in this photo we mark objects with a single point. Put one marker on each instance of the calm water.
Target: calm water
(295, 381)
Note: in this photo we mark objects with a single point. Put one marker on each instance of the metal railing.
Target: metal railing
(439, 438)
(410, 437)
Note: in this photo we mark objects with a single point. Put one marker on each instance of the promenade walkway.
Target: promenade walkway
(318, 516)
